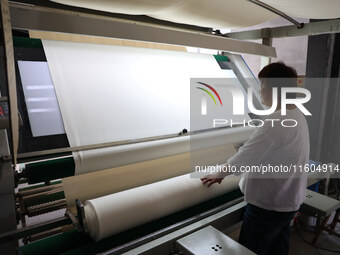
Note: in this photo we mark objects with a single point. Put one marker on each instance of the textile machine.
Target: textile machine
(96, 124)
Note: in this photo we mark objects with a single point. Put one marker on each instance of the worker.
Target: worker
(272, 198)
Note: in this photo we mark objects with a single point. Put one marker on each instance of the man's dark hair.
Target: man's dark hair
(279, 75)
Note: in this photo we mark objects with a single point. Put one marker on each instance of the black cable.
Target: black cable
(307, 242)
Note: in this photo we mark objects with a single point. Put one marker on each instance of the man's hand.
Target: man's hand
(212, 178)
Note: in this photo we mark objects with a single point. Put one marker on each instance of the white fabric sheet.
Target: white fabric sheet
(214, 13)
(112, 93)
(114, 213)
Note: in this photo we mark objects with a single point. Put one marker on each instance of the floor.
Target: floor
(299, 245)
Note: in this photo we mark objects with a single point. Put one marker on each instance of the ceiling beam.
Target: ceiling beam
(57, 20)
(313, 28)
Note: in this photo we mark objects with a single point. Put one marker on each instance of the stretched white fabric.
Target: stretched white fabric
(113, 93)
(214, 13)
(115, 213)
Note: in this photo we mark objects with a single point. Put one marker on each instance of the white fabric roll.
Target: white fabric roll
(94, 160)
(115, 213)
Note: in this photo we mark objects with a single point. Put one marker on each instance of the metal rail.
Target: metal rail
(313, 28)
(119, 16)
(64, 21)
(66, 220)
(183, 133)
(23, 232)
(276, 11)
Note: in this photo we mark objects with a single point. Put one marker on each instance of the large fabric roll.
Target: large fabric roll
(114, 213)
(141, 165)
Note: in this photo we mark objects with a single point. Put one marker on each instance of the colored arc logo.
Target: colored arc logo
(212, 89)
